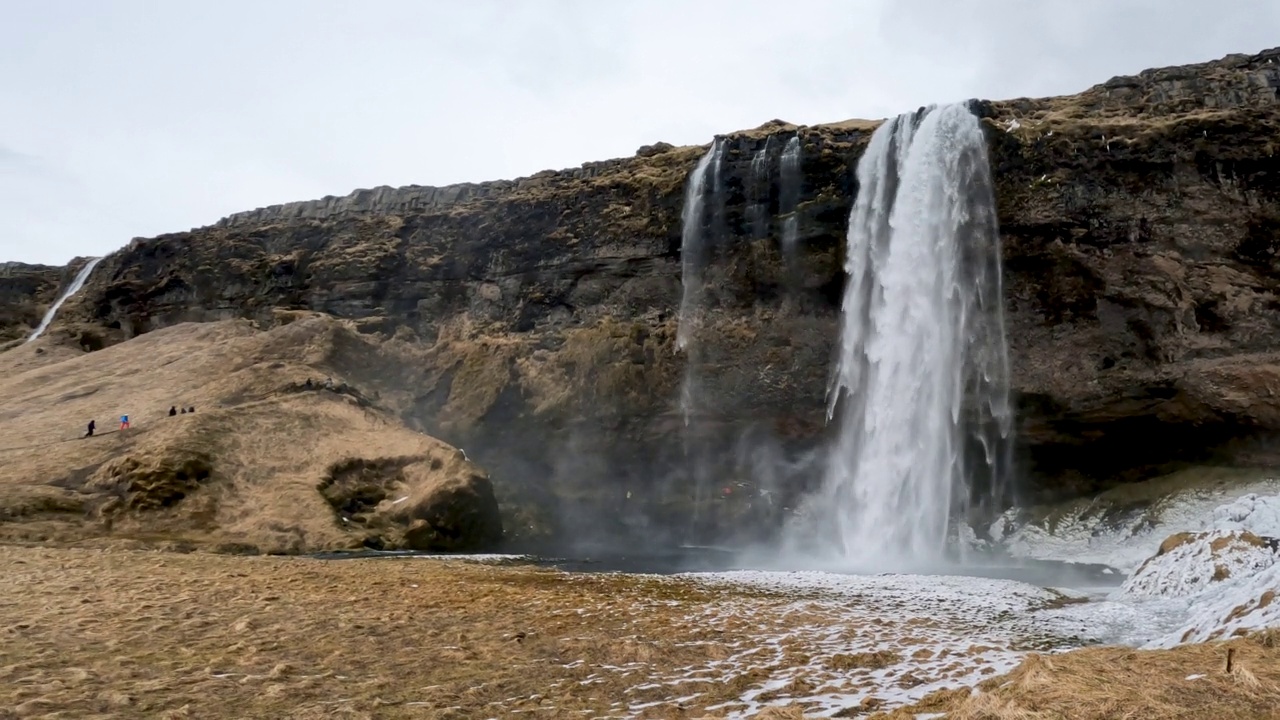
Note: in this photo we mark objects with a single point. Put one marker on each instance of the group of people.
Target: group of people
(124, 419)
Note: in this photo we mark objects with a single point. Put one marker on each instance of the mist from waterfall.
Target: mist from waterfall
(80, 279)
(920, 391)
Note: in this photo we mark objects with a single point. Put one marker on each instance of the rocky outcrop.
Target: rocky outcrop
(414, 503)
(1141, 230)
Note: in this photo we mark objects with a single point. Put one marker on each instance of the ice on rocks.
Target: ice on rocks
(1245, 604)
(1087, 533)
(1196, 561)
(1259, 514)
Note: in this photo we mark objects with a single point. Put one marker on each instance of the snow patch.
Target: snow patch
(1243, 605)
(842, 640)
(1100, 533)
(1198, 561)
(1259, 514)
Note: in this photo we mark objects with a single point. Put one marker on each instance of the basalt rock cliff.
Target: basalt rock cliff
(1140, 223)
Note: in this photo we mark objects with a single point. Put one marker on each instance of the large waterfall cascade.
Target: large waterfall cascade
(919, 392)
(920, 389)
(77, 283)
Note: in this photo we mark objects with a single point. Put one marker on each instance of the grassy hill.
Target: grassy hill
(265, 462)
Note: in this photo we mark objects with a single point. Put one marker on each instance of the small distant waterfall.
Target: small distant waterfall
(759, 187)
(791, 180)
(72, 289)
(920, 390)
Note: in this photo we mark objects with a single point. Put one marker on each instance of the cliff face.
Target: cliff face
(1141, 230)
(26, 291)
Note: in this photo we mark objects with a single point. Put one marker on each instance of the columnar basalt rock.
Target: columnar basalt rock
(1140, 224)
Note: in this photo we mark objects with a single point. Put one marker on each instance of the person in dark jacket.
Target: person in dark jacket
(173, 410)
(92, 425)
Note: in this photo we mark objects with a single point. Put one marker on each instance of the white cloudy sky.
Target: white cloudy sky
(121, 118)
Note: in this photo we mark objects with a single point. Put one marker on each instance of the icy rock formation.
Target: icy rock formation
(1190, 563)
(1246, 604)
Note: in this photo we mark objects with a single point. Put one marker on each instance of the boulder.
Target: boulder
(415, 503)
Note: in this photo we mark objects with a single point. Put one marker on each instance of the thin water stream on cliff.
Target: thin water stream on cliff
(759, 187)
(790, 182)
(72, 289)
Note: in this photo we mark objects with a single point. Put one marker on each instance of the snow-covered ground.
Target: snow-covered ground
(1106, 533)
(883, 640)
(1192, 562)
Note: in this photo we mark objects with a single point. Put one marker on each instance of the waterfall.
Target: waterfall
(791, 180)
(759, 189)
(72, 289)
(693, 240)
(701, 219)
(693, 259)
(920, 391)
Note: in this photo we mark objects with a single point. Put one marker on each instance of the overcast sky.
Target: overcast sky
(124, 118)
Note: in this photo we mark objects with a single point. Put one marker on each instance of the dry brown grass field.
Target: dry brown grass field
(142, 634)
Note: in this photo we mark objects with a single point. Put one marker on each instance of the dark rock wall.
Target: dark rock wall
(1139, 223)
